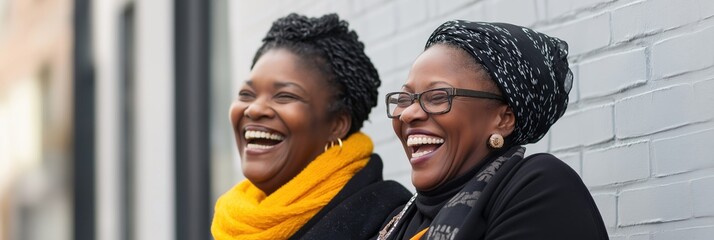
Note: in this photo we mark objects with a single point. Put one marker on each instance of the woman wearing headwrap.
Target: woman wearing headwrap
(311, 173)
(475, 95)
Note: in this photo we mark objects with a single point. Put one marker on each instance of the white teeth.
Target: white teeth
(422, 140)
(419, 154)
(252, 134)
(256, 146)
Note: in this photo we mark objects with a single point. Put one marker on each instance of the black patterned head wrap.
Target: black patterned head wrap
(529, 67)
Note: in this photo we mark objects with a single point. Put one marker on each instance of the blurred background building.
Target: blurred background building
(36, 105)
(113, 113)
(113, 118)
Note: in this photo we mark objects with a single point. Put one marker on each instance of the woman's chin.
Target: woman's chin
(254, 173)
(421, 180)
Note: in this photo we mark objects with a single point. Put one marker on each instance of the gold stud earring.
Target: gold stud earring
(495, 141)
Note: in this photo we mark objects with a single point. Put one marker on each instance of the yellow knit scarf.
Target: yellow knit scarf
(244, 212)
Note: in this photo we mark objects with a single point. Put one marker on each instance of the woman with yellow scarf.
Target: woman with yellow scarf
(311, 173)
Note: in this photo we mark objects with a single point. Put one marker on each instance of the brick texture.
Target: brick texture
(655, 111)
(595, 124)
(640, 236)
(702, 196)
(597, 35)
(706, 8)
(668, 153)
(378, 23)
(521, 12)
(445, 7)
(682, 54)
(648, 17)
(695, 233)
(607, 204)
(557, 8)
(616, 164)
(703, 92)
(541, 146)
(647, 205)
(411, 12)
(613, 73)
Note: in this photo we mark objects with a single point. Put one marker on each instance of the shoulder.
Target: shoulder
(545, 167)
(367, 188)
(546, 162)
(365, 201)
(384, 188)
(543, 175)
(545, 194)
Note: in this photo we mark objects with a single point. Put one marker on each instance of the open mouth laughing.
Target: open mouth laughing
(423, 144)
(260, 139)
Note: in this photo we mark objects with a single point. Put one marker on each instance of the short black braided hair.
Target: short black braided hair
(327, 43)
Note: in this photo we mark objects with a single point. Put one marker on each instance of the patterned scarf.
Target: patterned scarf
(530, 68)
(245, 212)
(453, 219)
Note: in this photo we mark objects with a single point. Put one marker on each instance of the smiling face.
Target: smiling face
(444, 146)
(280, 119)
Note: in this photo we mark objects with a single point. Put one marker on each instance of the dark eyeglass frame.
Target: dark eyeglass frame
(450, 92)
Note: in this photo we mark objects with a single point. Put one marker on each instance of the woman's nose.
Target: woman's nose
(259, 109)
(412, 113)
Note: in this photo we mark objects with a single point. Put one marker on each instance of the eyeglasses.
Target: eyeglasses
(434, 101)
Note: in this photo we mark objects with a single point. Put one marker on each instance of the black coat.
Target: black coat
(538, 197)
(359, 209)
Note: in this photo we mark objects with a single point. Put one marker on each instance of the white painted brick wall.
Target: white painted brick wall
(445, 7)
(541, 146)
(408, 48)
(364, 5)
(607, 204)
(706, 8)
(696, 233)
(589, 33)
(648, 17)
(383, 55)
(574, 95)
(702, 195)
(557, 8)
(617, 164)
(655, 111)
(668, 153)
(664, 203)
(411, 12)
(683, 53)
(640, 236)
(520, 12)
(613, 73)
(378, 24)
(600, 130)
(703, 91)
(640, 125)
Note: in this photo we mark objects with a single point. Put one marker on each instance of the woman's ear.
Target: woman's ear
(506, 120)
(341, 125)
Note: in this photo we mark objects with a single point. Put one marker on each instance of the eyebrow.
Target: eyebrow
(280, 84)
(289, 84)
(429, 86)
